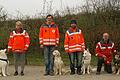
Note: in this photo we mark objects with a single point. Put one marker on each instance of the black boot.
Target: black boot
(72, 71)
(105, 67)
(109, 69)
(79, 70)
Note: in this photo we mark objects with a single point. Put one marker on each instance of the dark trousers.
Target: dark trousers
(75, 61)
(107, 67)
(48, 58)
(19, 59)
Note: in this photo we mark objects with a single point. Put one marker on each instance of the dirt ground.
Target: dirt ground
(36, 73)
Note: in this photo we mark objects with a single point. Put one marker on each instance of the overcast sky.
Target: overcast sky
(32, 7)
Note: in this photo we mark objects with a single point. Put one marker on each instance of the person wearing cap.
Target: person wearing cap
(18, 43)
(104, 50)
(74, 45)
(49, 40)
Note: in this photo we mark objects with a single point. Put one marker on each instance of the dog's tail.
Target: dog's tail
(93, 69)
(65, 71)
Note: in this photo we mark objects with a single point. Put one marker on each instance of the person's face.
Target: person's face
(18, 26)
(49, 19)
(73, 25)
(105, 37)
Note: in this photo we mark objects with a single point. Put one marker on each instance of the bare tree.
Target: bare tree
(3, 14)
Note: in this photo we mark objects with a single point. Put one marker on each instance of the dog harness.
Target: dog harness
(4, 60)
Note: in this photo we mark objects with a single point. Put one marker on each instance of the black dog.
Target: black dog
(117, 63)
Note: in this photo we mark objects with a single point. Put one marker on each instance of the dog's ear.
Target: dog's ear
(53, 52)
(88, 50)
(58, 52)
(84, 51)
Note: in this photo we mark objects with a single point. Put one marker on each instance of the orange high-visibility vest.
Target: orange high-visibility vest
(74, 41)
(18, 41)
(49, 34)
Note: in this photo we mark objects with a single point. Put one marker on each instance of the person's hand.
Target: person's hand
(56, 45)
(25, 49)
(8, 51)
(108, 62)
(41, 46)
(104, 57)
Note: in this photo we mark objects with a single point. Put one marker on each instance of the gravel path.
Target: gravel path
(36, 73)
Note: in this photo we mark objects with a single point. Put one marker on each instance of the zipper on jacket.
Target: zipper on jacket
(49, 33)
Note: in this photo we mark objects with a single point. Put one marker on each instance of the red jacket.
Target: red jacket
(18, 42)
(74, 41)
(105, 49)
(49, 34)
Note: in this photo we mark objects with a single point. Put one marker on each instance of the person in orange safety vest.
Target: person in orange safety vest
(18, 43)
(49, 39)
(74, 45)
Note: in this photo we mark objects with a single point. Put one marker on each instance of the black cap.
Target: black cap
(73, 22)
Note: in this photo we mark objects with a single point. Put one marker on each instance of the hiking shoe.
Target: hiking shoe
(98, 73)
(16, 73)
(46, 74)
(22, 73)
(51, 73)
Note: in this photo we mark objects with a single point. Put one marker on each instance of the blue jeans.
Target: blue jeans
(75, 61)
(48, 57)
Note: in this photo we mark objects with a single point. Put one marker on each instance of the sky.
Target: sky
(33, 7)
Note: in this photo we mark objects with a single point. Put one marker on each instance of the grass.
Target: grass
(37, 59)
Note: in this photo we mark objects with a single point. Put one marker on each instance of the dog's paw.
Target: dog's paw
(117, 73)
(114, 72)
(83, 73)
(8, 74)
(60, 74)
(88, 72)
(4, 75)
(94, 70)
(56, 73)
